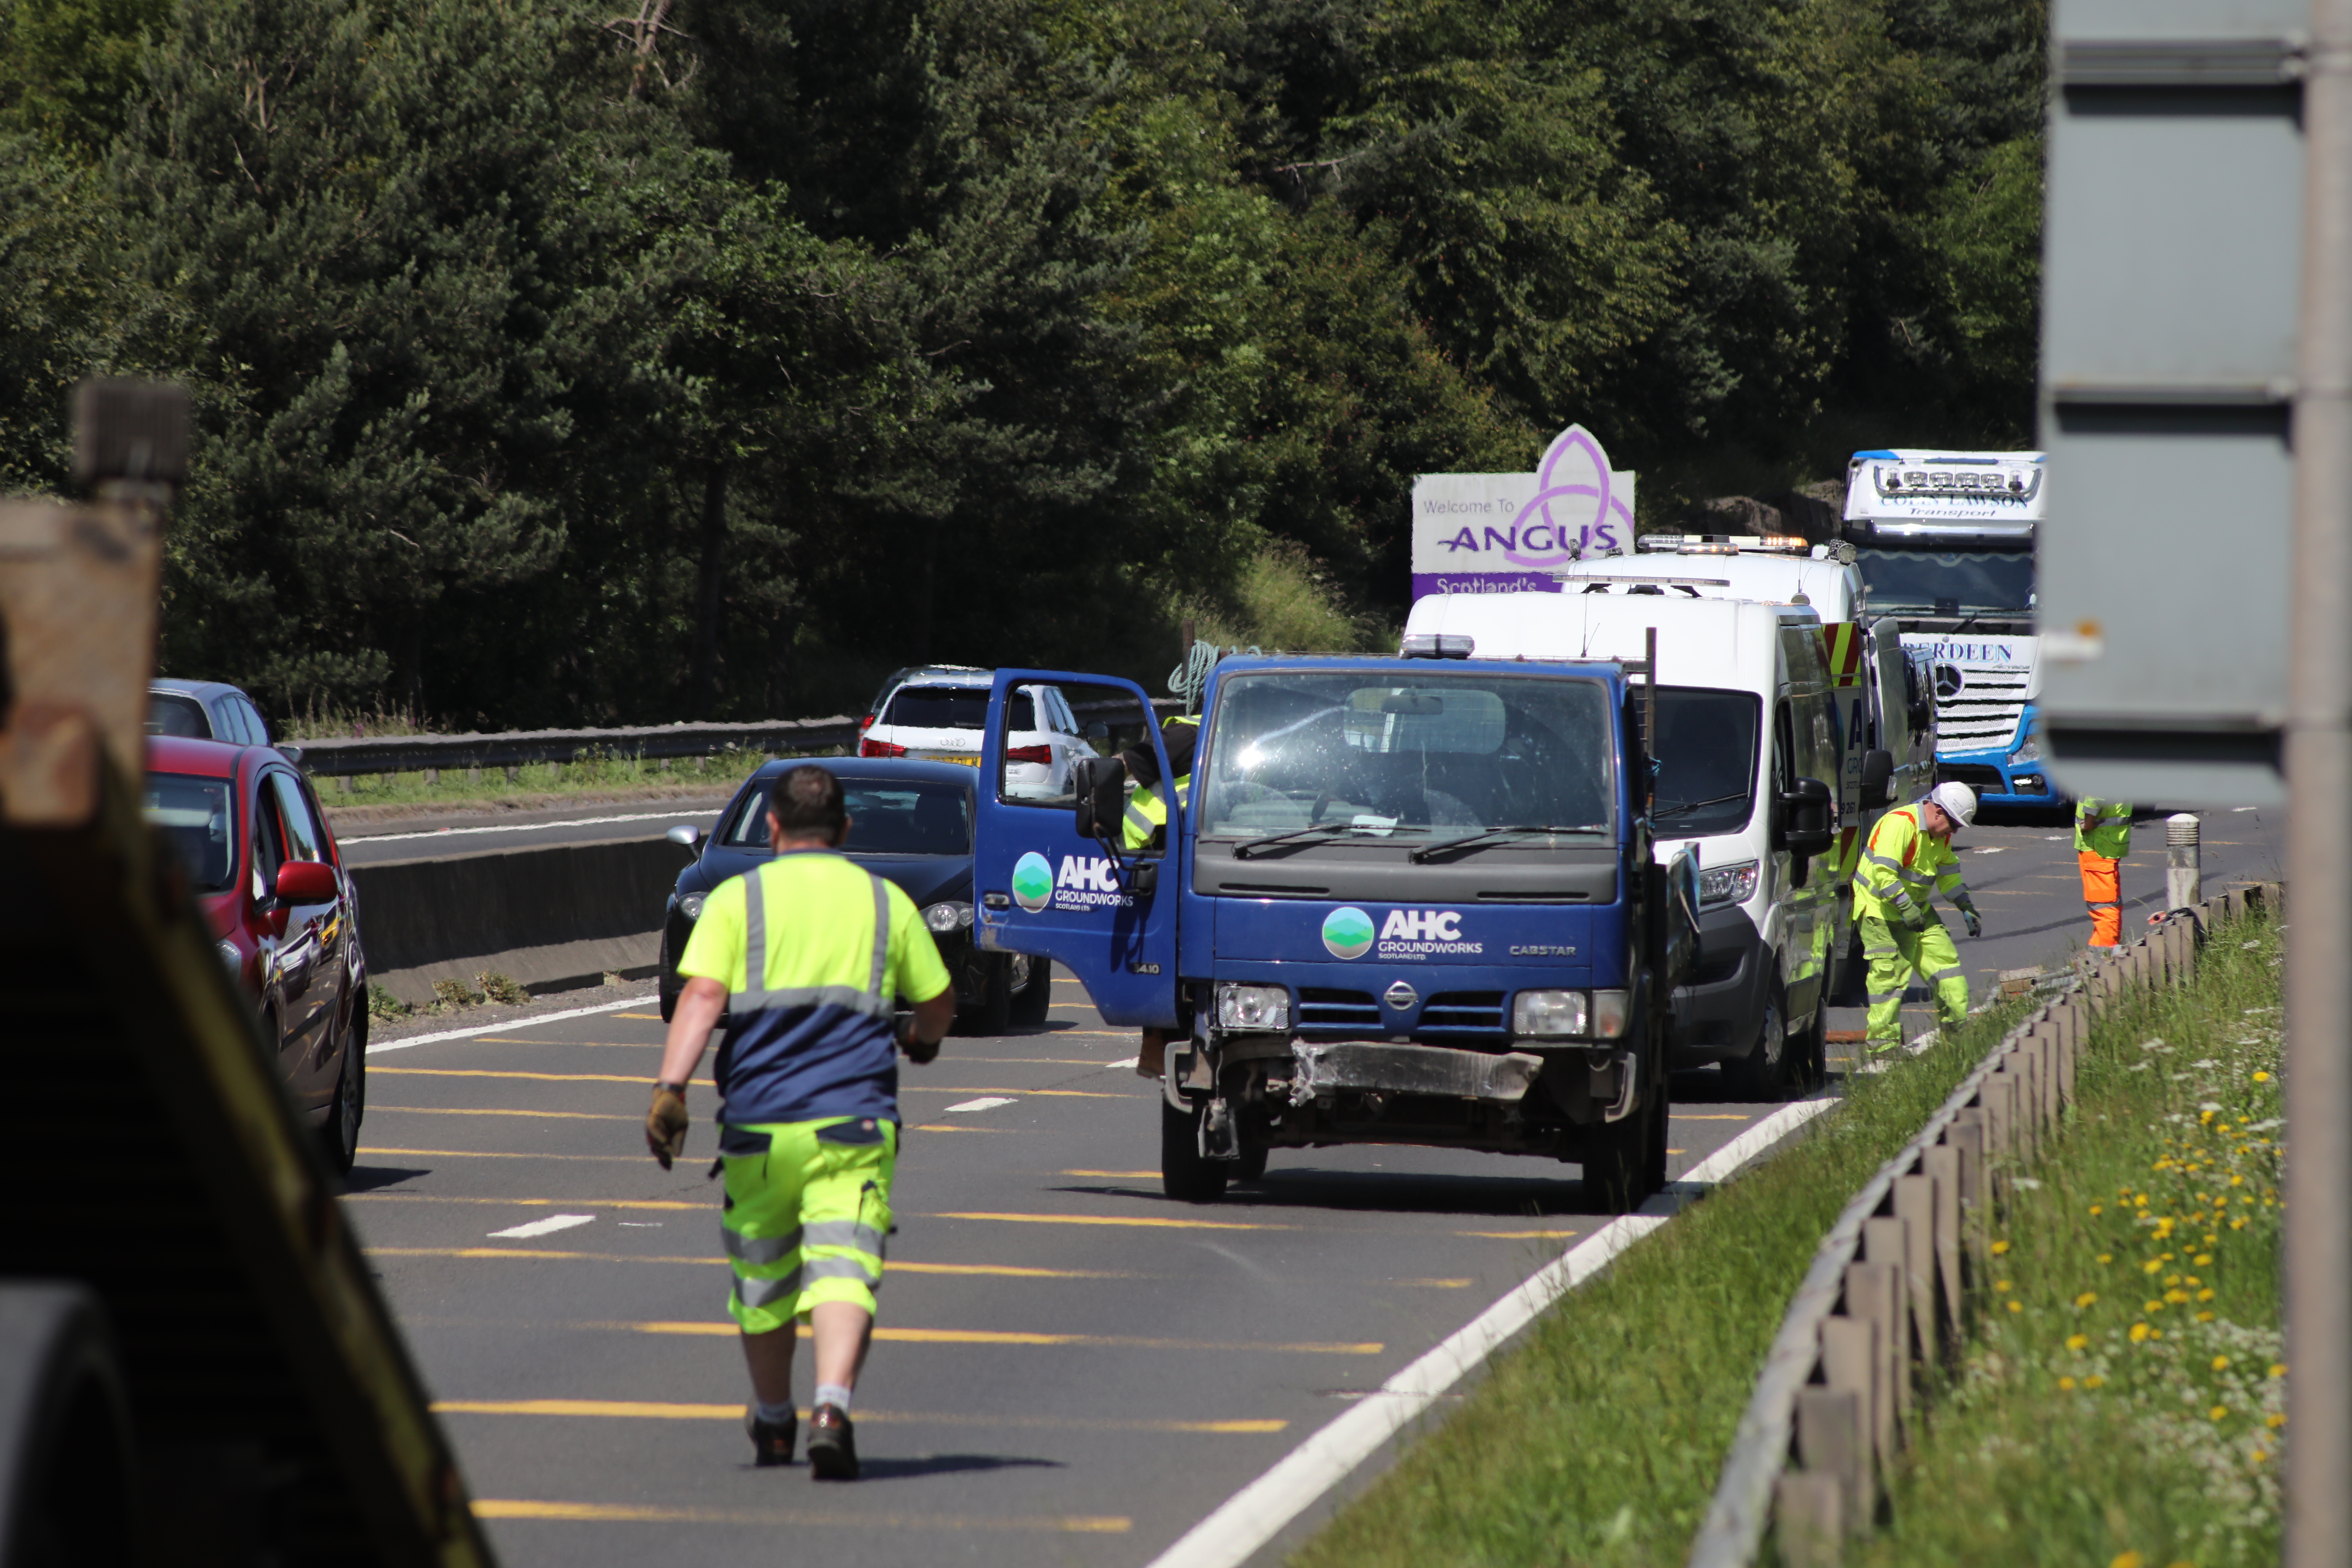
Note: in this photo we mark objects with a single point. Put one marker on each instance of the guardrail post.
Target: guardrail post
(1873, 1294)
(1915, 1206)
(2000, 1106)
(1811, 1509)
(1850, 1364)
(1830, 1442)
(1886, 1244)
(1942, 1165)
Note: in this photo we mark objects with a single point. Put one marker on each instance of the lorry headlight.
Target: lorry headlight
(1610, 1011)
(690, 906)
(1254, 1007)
(2029, 752)
(947, 915)
(1550, 1015)
(1733, 884)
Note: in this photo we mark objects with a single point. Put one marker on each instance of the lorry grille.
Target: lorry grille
(1983, 714)
(1464, 1011)
(1320, 1009)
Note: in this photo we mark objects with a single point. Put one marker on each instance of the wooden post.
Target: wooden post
(1830, 1442)
(1873, 1293)
(1915, 1205)
(1850, 1364)
(1808, 1509)
(1942, 1165)
(1999, 1105)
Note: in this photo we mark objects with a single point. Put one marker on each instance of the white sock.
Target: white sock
(773, 1415)
(833, 1394)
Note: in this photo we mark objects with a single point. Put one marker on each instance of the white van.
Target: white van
(1744, 715)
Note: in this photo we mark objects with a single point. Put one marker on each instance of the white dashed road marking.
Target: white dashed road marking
(547, 1226)
(989, 1104)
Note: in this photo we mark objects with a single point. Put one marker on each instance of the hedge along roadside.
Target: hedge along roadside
(1597, 1438)
(1886, 1285)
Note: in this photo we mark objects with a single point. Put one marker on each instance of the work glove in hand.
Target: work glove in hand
(666, 1124)
(917, 1051)
(1976, 926)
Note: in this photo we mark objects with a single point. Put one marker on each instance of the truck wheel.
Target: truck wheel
(1184, 1175)
(1252, 1164)
(1029, 1007)
(1763, 1072)
(1626, 1160)
(70, 1490)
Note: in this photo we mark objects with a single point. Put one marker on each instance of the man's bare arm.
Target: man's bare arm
(690, 1023)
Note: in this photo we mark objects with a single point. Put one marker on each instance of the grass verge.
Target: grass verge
(2119, 1398)
(1597, 1440)
(543, 784)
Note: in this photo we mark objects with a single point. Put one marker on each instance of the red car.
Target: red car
(265, 869)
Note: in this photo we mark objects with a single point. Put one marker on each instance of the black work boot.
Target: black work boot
(772, 1444)
(833, 1445)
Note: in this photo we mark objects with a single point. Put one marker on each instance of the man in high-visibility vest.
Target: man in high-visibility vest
(2102, 838)
(1147, 808)
(1908, 860)
(807, 956)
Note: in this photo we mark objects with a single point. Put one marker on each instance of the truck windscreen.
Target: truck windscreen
(1933, 582)
(1706, 761)
(1361, 753)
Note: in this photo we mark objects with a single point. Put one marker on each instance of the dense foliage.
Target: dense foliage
(555, 366)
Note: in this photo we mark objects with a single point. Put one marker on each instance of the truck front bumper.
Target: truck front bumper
(1369, 1066)
(1997, 780)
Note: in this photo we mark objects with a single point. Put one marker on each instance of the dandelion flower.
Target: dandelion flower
(2204, 1317)
(2217, 1413)
(2221, 1362)
(2261, 1078)
(2239, 1223)
(2237, 1181)
(2066, 1382)
(2076, 1341)
(2156, 1333)
(1999, 1247)
(2155, 1306)
(2275, 1420)
(2259, 1455)
(2151, 1266)
(2106, 1257)
(2000, 1284)
(2128, 1559)
(2093, 1381)
(2098, 1209)
(2278, 1368)
(2086, 1298)
(2017, 1306)
(2138, 1333)
(2206, 1294)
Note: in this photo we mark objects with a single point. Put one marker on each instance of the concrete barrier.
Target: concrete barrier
(551, 917)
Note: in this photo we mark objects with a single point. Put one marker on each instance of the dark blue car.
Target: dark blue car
(910, 822)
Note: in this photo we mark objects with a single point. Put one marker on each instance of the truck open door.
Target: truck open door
(1058, 883)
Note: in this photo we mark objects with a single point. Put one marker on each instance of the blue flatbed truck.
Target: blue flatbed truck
(1412, 901)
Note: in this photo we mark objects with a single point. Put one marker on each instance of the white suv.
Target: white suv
(936, 713)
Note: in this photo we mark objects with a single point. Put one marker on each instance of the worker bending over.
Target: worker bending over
(806, 955)
(1909, 858)
(2102, 838)
(1147, 808)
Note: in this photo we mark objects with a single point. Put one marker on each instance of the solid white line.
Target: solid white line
(547, 1226)
(1255, 1514)
(990, 1104)
(509, 1024)
(513, 826)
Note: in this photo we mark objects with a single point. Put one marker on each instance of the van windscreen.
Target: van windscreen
(1706, 761)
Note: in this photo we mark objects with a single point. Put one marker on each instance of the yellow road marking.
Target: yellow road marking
(656, 1018)
(1048, 1093)
(994, 1337)
(943, 1127)
(530, 1203)
(1711, 1116)
(1119, 1176)
(477, 1110)
(1519, 1235)
(995, 1270)
(496, 1154)
(616, 1513)
(1135, 1220)
(1439, 1284)
(539, 1077)
(630, 1409)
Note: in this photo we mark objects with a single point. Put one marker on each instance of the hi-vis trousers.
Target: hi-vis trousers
(1895, 952)
(807, 1208)
(2102, 895)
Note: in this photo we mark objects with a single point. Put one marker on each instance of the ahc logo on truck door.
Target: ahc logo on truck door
(1406, 934)
(1084, 882)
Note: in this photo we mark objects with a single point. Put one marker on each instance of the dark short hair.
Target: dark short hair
(807, 799)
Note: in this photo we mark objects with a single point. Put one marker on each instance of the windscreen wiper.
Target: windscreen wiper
(1677, 809)
(1295, 836)
(1429, 850)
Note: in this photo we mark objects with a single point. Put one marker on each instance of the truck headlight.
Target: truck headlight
(1551, 1015)
(1610, 1011)
(690, 906)
(1265, 1008)
(949, 914)
(1733, 884)
(2029, 752)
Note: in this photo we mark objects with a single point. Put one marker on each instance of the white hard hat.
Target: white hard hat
(1958, 801)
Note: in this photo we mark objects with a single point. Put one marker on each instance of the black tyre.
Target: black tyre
(1184, 1175)
(1626, 1160)
(1029, 1004)
(994, 1014)
(1763, 1072)
(1809, 1064)
(1252, 1164)
(340, 1135)
(71, 1492)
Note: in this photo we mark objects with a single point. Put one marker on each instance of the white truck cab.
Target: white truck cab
(1744, 716)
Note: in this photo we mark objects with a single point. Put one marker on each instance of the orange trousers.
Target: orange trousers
(2102, 895)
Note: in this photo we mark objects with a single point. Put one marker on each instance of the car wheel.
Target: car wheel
(1764, 1070)
(1184, 1175)
(1030, 1005)
(342, 1133)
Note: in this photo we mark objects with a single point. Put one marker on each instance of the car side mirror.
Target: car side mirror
(1099, 732)
(1100, 784)
(306, 882)
(1878, 778)
(1806, 819)
(686, 838)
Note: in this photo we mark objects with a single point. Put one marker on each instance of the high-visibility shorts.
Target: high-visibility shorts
(807, 1208)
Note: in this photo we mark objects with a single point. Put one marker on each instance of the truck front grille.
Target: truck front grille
(1982, 715)
(1322, 1010)
(1463, 1013)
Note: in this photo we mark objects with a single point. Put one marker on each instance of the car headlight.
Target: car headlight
(690, 906)
(1256, 1007)
(949, 914)
(1551, 1015)
(1733, 884)
(1610, 1011)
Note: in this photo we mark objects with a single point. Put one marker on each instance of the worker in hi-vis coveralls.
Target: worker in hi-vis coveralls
(1909, 858)
(1147, 808)
(806, 957)
(2102, 838)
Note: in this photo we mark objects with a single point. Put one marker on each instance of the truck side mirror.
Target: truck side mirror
(1806, 817)
(1878, 778)
(1100, 784)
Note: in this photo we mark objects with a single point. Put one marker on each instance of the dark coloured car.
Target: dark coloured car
(283, 913)
(910, 822)
(205, 711)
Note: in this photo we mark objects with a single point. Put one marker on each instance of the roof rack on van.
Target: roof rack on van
(1723, 544)
(1645, 581)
